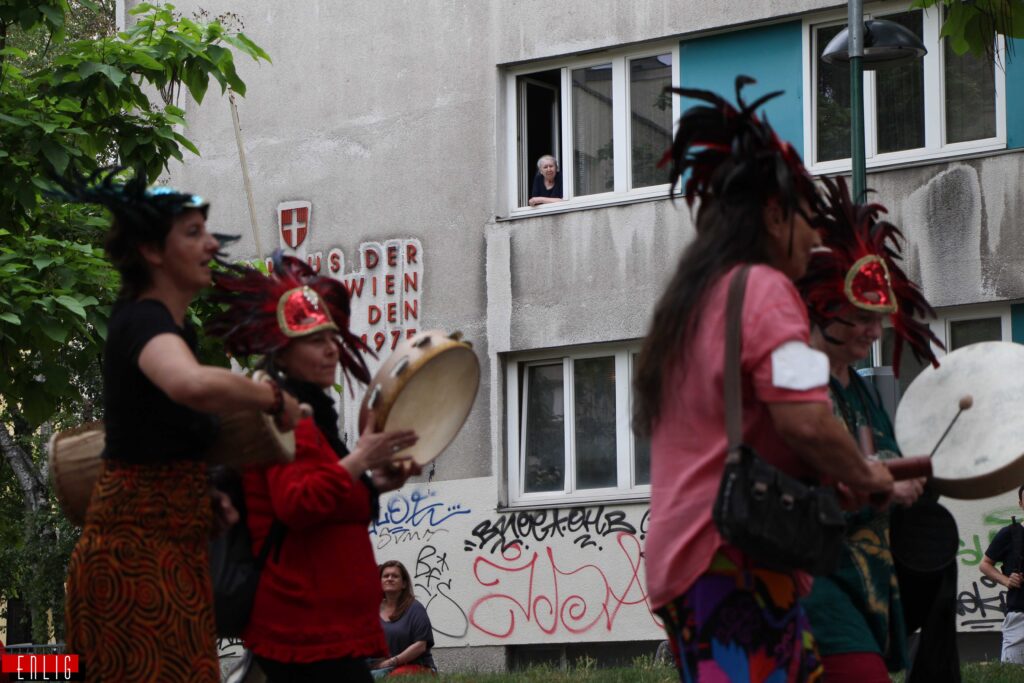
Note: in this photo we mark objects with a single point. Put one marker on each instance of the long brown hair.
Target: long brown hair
(728, 233)
(406, 597)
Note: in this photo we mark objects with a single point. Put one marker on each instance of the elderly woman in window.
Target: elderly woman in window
(547, 184)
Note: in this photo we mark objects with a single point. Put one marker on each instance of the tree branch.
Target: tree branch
(24, 470)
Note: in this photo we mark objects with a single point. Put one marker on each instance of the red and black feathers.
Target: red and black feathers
(251, 323)
(862, 256)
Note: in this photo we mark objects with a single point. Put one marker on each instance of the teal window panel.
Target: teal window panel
(1014, 63)
(770, 54)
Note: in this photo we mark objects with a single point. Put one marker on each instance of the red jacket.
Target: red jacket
(321, 598)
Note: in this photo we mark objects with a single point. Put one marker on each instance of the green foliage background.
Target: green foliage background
(75, 95)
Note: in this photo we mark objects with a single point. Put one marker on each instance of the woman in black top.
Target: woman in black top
(547, 184)
(139, 599)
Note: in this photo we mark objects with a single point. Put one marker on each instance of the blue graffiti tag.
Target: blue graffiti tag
(419, 509)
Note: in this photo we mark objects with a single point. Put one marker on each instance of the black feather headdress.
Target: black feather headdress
(725, 151)
(144, 209)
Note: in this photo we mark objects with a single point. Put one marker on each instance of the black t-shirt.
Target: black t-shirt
(1000, 551)
(538, 189)
(143, 425)
(412, 626)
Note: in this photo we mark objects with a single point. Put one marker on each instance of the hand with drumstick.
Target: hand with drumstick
(377, 451)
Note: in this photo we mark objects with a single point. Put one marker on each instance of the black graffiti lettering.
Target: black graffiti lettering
(585, 525)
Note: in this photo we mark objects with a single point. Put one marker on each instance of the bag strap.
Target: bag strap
(1016, 546)
(273, 541)
(732, 379)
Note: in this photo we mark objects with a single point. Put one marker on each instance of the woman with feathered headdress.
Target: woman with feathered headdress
(139, 599)
(323, 574)
(726, 616)
(851, 287)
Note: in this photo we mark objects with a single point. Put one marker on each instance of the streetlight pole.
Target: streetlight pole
(855, 22)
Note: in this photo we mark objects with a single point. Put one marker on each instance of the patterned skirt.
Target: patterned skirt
(741, 623)
(139, 599)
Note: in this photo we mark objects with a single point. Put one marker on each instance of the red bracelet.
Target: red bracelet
(277, 407)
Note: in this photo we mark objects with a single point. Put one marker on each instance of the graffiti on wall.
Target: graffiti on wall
(980, 601)
(415, 517)
(489, 577)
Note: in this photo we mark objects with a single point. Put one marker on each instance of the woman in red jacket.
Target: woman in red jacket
(314, 617)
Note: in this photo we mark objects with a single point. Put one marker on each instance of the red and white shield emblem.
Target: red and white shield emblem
(293, 221)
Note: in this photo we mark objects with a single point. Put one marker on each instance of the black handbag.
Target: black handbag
(234, 570)
(777, 520)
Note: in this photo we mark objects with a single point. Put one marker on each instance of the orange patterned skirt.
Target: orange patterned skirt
(139, 599)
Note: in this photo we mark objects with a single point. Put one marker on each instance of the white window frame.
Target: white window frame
(621, 129)
(941, 325)
(934, 98)
(624, 490)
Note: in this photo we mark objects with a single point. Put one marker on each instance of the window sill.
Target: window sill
(556, 500)
(590, 202)
(911, 160)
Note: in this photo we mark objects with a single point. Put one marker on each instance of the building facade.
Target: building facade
(393, 144)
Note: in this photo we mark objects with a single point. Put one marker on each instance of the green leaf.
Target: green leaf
(71, 304)
(53, 330)
(56, 155)
(11, 318)
(41, 262)
(87, 69)
(53, 14)
(15, 120)
(186, 143)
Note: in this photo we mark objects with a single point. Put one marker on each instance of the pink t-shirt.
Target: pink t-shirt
(689, 442)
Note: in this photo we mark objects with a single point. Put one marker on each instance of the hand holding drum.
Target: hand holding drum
(426, 386)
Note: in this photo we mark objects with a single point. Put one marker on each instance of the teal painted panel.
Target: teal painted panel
(1017, 323)
(769, 54)
(1015, 100)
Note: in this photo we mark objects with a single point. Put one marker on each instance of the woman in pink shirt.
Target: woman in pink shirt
(727, 618)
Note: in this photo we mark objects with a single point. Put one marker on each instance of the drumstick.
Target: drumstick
(966, 401)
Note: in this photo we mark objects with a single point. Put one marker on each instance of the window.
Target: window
(955, 328)
(940, 105)
(607, 120)
(569, 428)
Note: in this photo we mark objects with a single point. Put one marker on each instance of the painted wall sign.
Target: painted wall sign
(384, 281)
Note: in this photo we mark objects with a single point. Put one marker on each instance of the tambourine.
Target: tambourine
(428, 385)
(75, 456)
(982, 454)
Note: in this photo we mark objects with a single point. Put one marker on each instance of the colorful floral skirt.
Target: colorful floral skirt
(741, 623)
(139, 599)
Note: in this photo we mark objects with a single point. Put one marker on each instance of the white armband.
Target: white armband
(798, 367)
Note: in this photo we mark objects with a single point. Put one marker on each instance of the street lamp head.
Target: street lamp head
(886, 43)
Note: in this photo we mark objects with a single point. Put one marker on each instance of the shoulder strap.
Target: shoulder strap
(273, 541)
(1016, 548)
(732, 379)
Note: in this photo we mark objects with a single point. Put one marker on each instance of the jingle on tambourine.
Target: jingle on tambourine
(428, 385)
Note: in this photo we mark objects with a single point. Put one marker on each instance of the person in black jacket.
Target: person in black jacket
(1007, 549)
(547, 184)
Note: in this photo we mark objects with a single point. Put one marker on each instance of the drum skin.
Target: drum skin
(983, 454)
(428, 385)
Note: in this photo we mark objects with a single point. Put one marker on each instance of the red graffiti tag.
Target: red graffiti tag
(550, 609)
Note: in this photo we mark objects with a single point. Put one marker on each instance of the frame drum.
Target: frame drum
(428, 385)
(983, 454)
(74, 457)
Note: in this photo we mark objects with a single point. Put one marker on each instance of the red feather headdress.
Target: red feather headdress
(709, 137)
(860, 267)
(265, 312)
